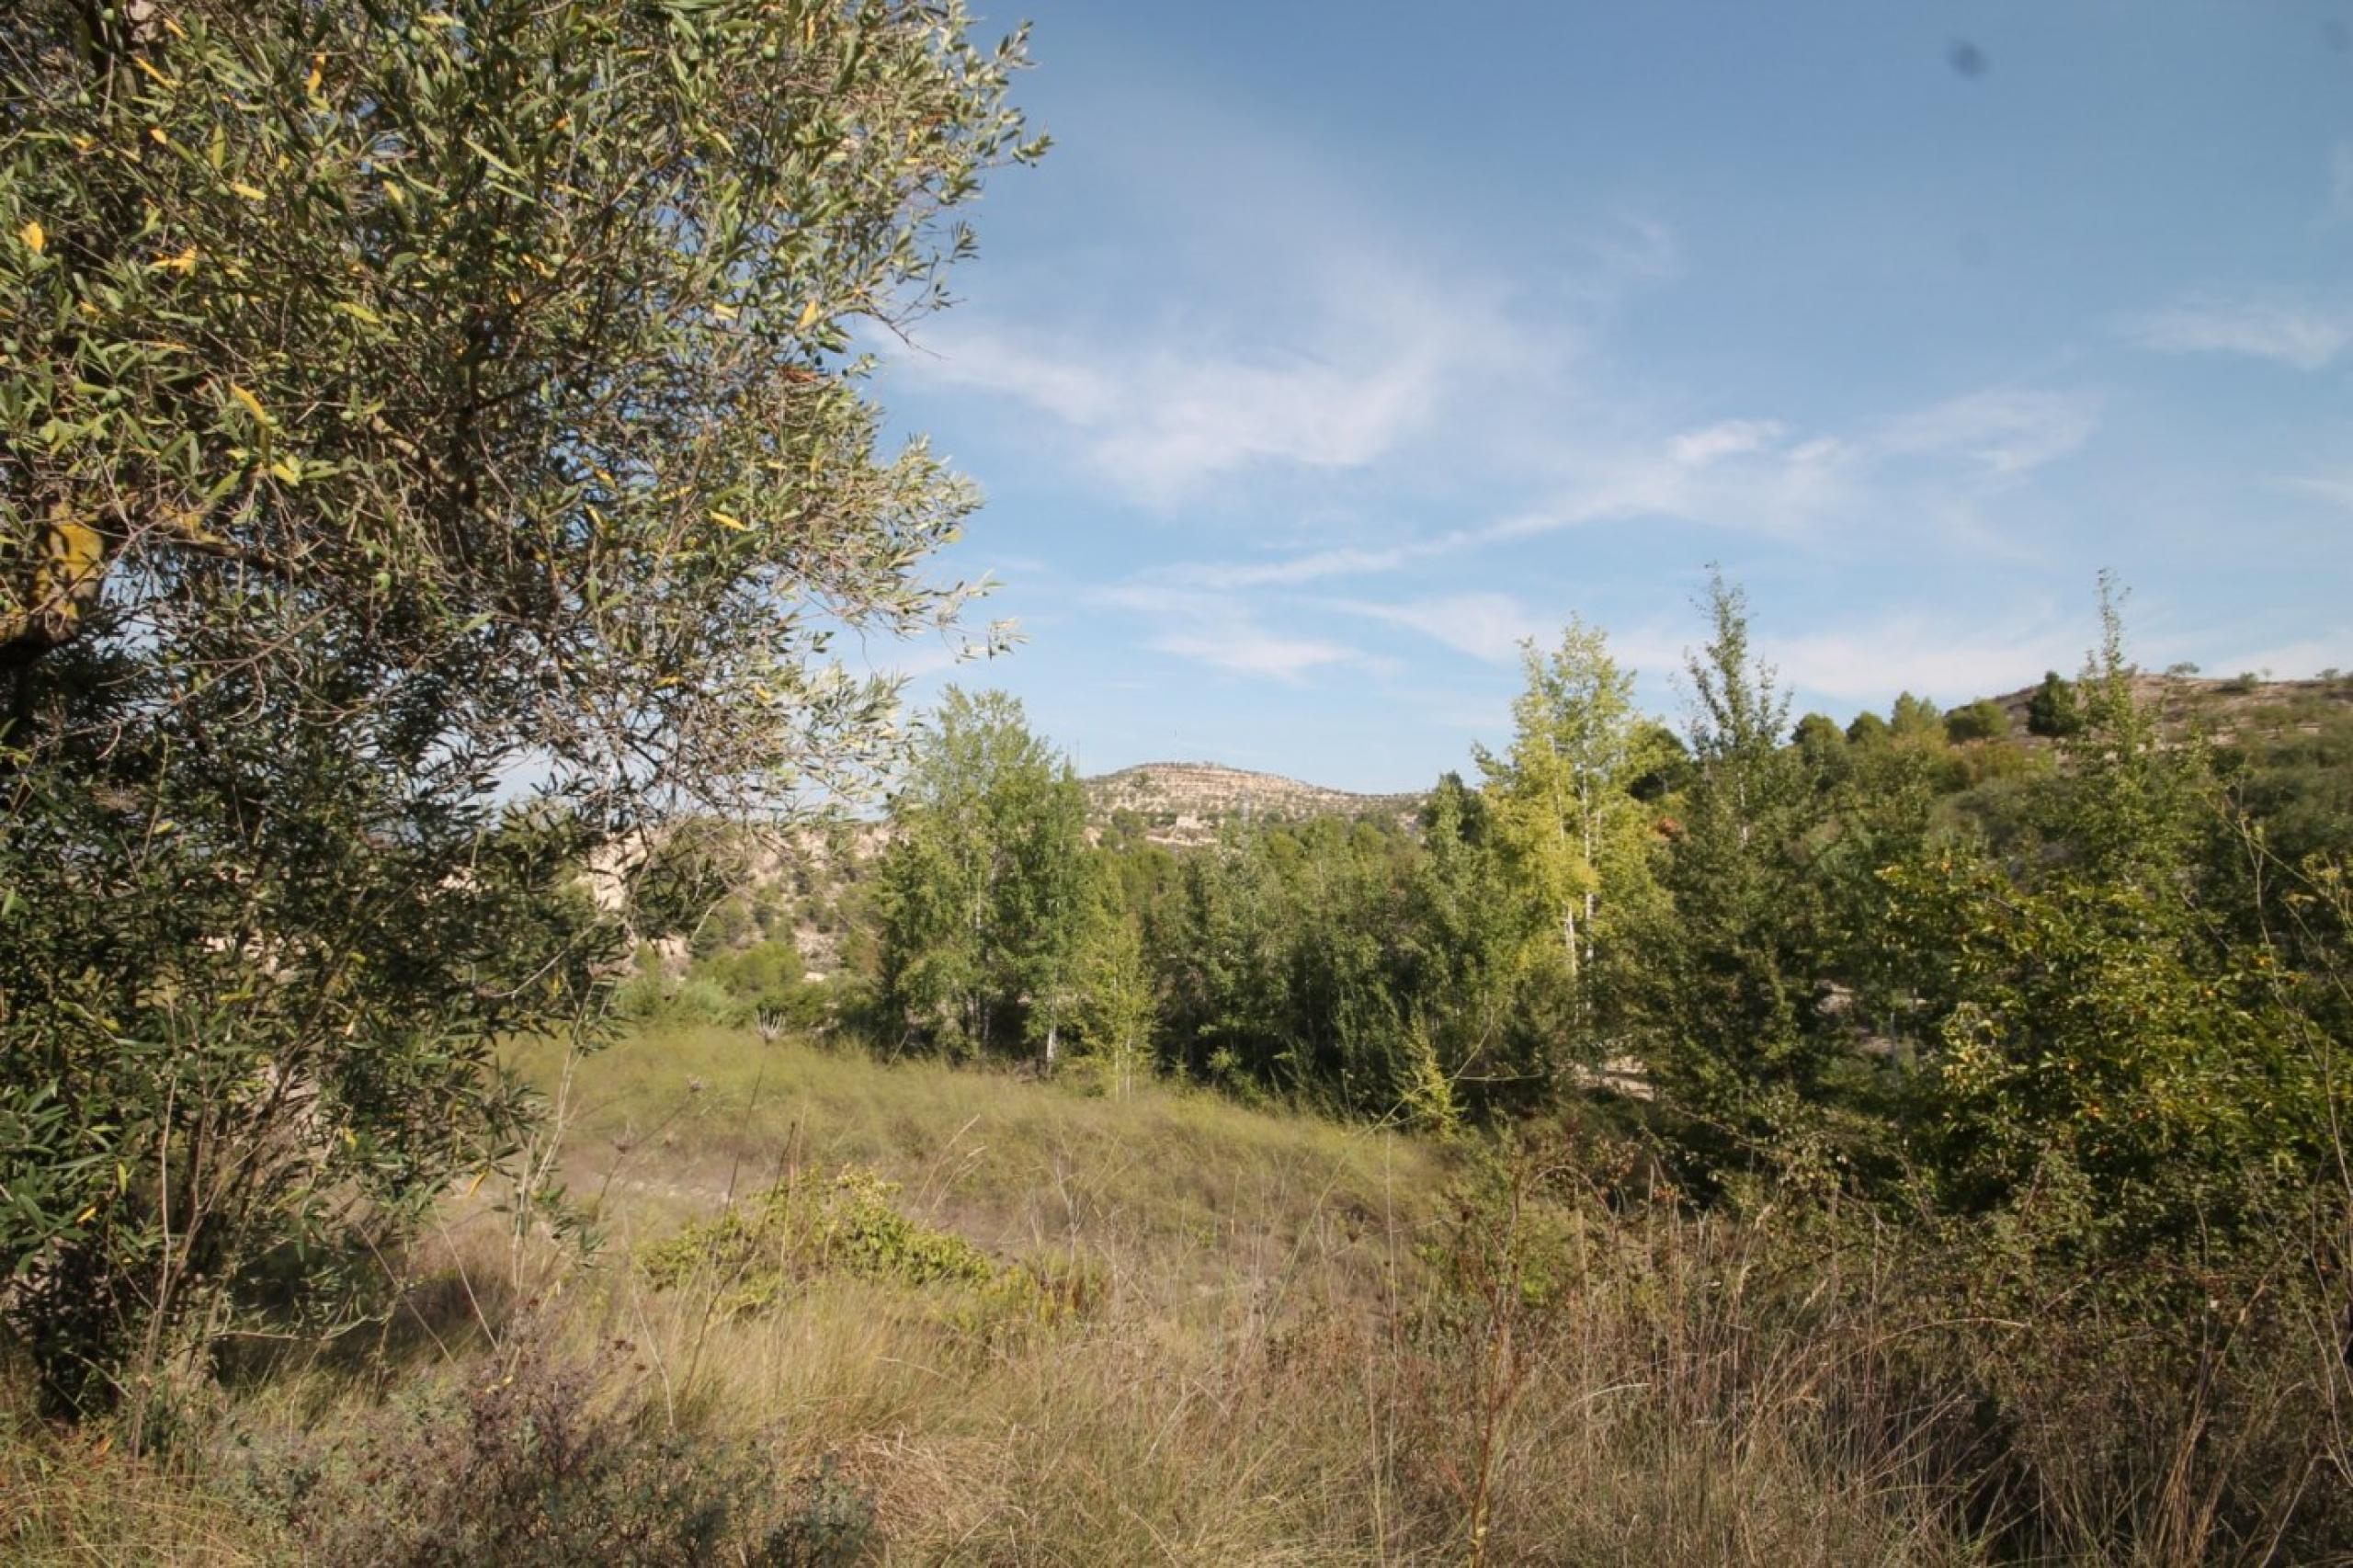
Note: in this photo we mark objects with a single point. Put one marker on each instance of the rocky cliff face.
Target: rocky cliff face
(1185, 803)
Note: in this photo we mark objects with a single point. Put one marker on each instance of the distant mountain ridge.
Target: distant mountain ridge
(1185, 803)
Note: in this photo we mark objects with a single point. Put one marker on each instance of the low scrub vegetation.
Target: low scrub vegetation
(1299, 1341)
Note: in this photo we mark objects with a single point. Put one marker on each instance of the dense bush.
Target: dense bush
(1984, 720)
(759, 985)
(756, 1254)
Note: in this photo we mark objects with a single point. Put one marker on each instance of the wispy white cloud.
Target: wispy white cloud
(1751, 474)
(1743, 474)
(1635, 249)
(1727, 439)
(1157, 420)
(2337, 489)
(1950, 662)
(2003, 430)
(1224, 634)
(2292, 661)
(911, 661)
(1485, 626)
(1063, 386)
(1315, 565)
(2301, 329)
(1301, 332)
(1955, 661)
(1244, 648)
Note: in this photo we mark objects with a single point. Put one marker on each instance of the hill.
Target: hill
(2231, 711)
(1185, 802)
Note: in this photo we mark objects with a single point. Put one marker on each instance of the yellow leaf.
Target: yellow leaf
(85, 1213)
(35, 240)
(807, 314)
(151, 71)
(318, 72)
(76, 548)
(156, 132)
(251, 193)
(724, 313)
(251, 402)
(184, 262)
(287, 471)
(361, 311)
(726, 521)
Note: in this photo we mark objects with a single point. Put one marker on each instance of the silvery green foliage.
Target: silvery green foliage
(410, 410)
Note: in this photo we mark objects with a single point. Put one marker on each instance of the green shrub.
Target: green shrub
(1984, 720)
(807, 1227)
(765, 980)
(2054, 710)
(692, 999)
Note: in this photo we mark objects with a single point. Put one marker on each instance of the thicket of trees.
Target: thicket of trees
(2090, 999)
(983, 896)
(2054, 1034)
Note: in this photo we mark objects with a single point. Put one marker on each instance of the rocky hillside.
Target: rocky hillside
(1185, 802)
(2234, 709)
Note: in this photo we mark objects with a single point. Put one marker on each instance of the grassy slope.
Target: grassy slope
(1165, 1187)
(1263, 1379)
(1214, 1226)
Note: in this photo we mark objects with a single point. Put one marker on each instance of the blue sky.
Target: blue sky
(1335, 349)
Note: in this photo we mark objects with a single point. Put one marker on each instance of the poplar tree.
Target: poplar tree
(1562, 792)
(984, 889)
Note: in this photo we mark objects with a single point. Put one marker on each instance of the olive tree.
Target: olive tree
(434, 449)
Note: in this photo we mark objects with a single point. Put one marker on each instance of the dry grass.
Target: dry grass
(1300, 1352)
(1264, 1379)
(73, 1499)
